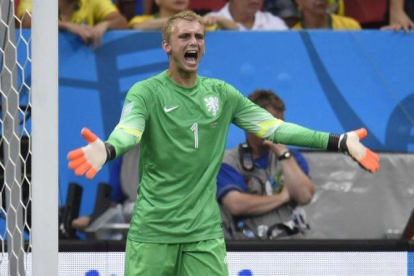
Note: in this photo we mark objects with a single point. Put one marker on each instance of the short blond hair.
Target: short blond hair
(185, 15)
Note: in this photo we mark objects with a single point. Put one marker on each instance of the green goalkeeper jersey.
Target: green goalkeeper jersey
(182, 134)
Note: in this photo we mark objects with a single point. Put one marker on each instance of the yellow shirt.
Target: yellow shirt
(337, 6)
(88, 12)
(141, 18)
(337, 22)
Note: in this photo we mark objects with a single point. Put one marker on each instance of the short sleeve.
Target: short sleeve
(139, 19)
(101, 9)
(229, 179)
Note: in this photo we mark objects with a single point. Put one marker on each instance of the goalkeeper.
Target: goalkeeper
(181, 121)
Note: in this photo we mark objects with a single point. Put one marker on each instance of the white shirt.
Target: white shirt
(263, 21)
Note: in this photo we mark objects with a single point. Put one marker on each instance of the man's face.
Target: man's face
(250, 7)
(173, 5)
(314, 6)
(186, 46)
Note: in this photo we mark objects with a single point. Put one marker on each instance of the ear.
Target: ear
(166, 47)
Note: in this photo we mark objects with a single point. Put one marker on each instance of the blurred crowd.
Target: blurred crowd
(90, 19)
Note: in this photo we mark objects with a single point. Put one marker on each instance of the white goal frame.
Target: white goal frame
(40, 256)
(45, 182)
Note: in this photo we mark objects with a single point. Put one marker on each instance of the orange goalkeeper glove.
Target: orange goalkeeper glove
(349, 143)
(88, 159)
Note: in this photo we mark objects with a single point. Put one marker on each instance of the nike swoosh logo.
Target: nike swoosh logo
(170, 109)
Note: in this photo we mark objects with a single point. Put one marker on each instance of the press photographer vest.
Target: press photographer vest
(277, 223)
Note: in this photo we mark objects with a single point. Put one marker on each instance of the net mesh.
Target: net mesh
(15, 140)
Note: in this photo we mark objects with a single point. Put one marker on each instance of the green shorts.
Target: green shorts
(197, 258)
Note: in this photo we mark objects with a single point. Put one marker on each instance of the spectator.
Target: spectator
(131, 8)
(248, 16)
(168, 8)
(89, 19)
(372, 14)
(399, 19)
(123, 179)
(314, 15)
(287, 10)
(260, 183)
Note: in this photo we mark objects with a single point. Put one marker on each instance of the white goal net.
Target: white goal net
(17, 73)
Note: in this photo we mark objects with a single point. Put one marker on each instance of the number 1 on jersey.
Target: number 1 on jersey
(194, 128)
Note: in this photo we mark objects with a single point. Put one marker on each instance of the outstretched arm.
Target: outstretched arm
(348, 143)
(258, 121)
(126, 135)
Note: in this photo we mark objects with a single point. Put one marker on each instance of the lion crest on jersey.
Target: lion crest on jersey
(212, 104)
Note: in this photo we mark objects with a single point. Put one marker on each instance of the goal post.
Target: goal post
(45, 183)
(29, 85)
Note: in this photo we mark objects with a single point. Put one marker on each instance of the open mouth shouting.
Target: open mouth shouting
(191, 57)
